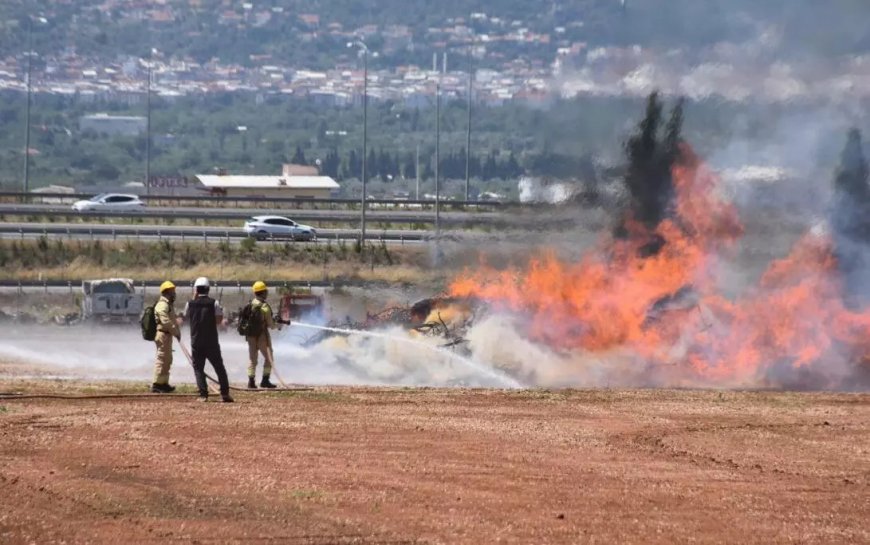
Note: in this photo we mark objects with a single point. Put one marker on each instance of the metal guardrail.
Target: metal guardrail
(215, 284)
(192, 232)
(23, 197)
(329, 216)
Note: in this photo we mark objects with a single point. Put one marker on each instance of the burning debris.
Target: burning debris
(647, 305)
(652, 293)
(440, 316)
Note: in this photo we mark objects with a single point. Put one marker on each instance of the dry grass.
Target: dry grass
(74, 260)
(279, 271)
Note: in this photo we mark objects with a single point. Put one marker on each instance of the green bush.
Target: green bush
(248, 244)
(42, 244)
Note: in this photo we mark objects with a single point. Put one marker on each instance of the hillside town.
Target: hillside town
(510, 62)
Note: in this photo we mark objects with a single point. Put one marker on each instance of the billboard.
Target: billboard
(171, 182)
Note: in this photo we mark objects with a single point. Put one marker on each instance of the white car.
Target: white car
(263, 227)
(109, 201)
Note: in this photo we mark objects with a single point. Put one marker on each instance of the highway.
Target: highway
(462, 219)
(78, 231)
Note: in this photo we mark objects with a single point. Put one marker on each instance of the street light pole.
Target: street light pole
(148, 131)
(365, 142)
(437, 159)
(27, 114)
(364, 49)
(468, 132)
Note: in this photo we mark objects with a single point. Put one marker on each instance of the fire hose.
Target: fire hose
(213, 381)
(6, 396)
(12, 396)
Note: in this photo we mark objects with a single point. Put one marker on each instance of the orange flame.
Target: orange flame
(618, 297)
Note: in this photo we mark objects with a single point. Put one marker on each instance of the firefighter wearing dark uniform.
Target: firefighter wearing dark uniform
(203, 315)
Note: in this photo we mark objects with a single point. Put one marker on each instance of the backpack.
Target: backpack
(148, 323)
(250, 321)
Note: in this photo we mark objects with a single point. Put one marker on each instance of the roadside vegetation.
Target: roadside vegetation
(61, 259)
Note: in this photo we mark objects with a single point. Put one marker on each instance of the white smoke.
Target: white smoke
(394, 357)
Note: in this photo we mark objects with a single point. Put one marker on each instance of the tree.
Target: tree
(372, 166)
(330, 165)
(490, 168)
(410, 166)
(354, 166)
(299, 157)
(850, 181)
(385, 169)
(105, 171)
(650, 160)
(850, 221)
(512, 167)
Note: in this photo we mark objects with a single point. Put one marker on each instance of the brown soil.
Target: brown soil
(436, 466)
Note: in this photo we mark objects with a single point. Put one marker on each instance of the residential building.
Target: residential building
(113, 125)
(296, 186)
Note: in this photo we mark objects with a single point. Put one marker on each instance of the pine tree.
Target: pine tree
(851, 178)
(331, 164)
(372, 167)
(385, 169)
(354, 166)
(299, 157)
(850, 221)
(513, 168)
(490, 168)
(650, 160)
(409, 171)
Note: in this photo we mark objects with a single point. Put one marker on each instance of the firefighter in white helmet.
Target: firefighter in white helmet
(261, 342)
(204, 315)
(167, 328)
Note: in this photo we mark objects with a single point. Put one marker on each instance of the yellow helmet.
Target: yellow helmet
(166, 286)
(259, 286)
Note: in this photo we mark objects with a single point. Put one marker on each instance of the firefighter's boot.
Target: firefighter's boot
(265, 382)
(252, 384)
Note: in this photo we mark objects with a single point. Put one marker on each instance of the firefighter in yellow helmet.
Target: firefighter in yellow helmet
(167, 328)
(261, 343)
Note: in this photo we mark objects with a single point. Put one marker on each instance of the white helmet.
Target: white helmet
(201, 282)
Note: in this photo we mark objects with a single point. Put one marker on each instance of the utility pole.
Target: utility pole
(27, 114)
(365, 142)
(437, 159)
(148, 130)
(468, 132)
(364, 49)
(417, 171)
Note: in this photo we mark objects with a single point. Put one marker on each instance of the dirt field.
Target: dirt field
(436, 466)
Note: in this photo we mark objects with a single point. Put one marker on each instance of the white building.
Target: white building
(123, 125)
(294, 186)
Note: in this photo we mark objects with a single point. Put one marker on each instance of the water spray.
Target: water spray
(502, 378)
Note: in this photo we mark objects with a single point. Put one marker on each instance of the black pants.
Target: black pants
(213, 355)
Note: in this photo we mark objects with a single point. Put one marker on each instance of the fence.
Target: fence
(193, 233)
(261, 202)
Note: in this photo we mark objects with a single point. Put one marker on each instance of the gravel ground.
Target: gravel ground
(353, 465)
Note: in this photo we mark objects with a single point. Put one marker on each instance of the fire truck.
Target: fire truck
(112, 300)
(301, 304)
